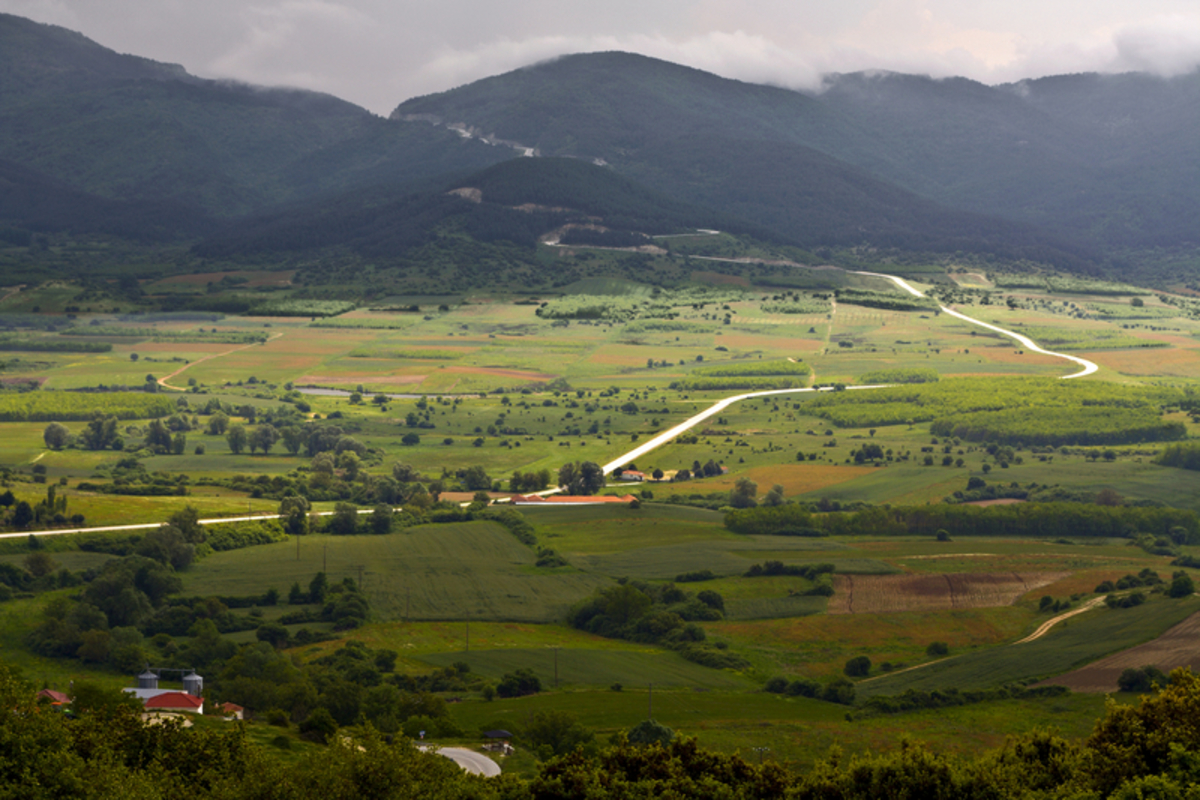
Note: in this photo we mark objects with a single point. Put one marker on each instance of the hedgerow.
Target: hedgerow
(65, 406)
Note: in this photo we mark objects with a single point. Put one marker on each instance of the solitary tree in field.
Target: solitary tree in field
(476, 479)
(264, 438)
(39, 563)
(858, 667)
(294, 511)
(237, 438)
(217, 424)
(381, 519)
(743, 494)
(344, 520)
(581, 478)
(56, 435)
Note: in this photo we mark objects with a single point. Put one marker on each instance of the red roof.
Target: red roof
(175, 700)
(55, 697)
(231, 708)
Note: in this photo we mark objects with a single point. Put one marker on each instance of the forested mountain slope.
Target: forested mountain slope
(127, 127)
(1106, 159)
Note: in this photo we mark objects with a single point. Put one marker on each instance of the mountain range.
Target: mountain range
(1060, 171)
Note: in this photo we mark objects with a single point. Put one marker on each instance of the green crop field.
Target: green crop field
(596, 668)
(447, 571)
(1070, 644)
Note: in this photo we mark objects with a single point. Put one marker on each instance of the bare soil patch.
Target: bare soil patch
(794, 478)
(868, 594)
(1178, 647)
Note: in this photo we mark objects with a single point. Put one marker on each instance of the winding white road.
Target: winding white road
(1087, 368)
(470, 761)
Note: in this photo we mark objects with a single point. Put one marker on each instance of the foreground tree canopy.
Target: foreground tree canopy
(1146, 751)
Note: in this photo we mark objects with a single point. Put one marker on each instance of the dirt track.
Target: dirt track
(1045, 627)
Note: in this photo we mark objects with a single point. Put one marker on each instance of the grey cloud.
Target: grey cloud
(378, 53)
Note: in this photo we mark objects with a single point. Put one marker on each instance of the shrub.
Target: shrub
(519, 683)
(858, 667)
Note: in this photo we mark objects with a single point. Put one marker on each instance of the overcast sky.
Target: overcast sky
(380, 52)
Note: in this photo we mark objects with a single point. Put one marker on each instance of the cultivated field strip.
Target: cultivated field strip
(871, 594)
(1178, 647)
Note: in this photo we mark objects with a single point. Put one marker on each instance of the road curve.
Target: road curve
(1045, 627)
(1088, 367)
(716, 408)
(470, 761)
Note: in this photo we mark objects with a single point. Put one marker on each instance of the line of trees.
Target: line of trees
(1039, 520)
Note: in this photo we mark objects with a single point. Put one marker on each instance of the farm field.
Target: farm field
(450, 571)
(1080, 640)
(796, 732)
(475, 392)
(859, 594)
(1174, 648)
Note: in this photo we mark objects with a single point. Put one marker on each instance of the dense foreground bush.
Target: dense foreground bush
(1134, 752)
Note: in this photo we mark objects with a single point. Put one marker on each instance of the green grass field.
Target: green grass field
(596, 668)
(435, 572)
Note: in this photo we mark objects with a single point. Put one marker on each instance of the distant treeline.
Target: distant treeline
(1035, 520)
(888, 302)
(13, 344)
(900, 376)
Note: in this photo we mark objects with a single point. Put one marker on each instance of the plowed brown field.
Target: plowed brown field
(868, 594)
(1178, 647)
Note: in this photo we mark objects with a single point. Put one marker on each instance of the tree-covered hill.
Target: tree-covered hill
(1099, 159)
(1063, 171)
(126, 127)
(31, 201)
(518, 201)
(817, 201)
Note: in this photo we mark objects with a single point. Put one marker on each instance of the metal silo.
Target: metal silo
(193, 684)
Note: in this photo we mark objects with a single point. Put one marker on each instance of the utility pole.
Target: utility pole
(761, 751)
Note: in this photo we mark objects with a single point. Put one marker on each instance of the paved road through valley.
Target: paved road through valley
(1087, 368)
